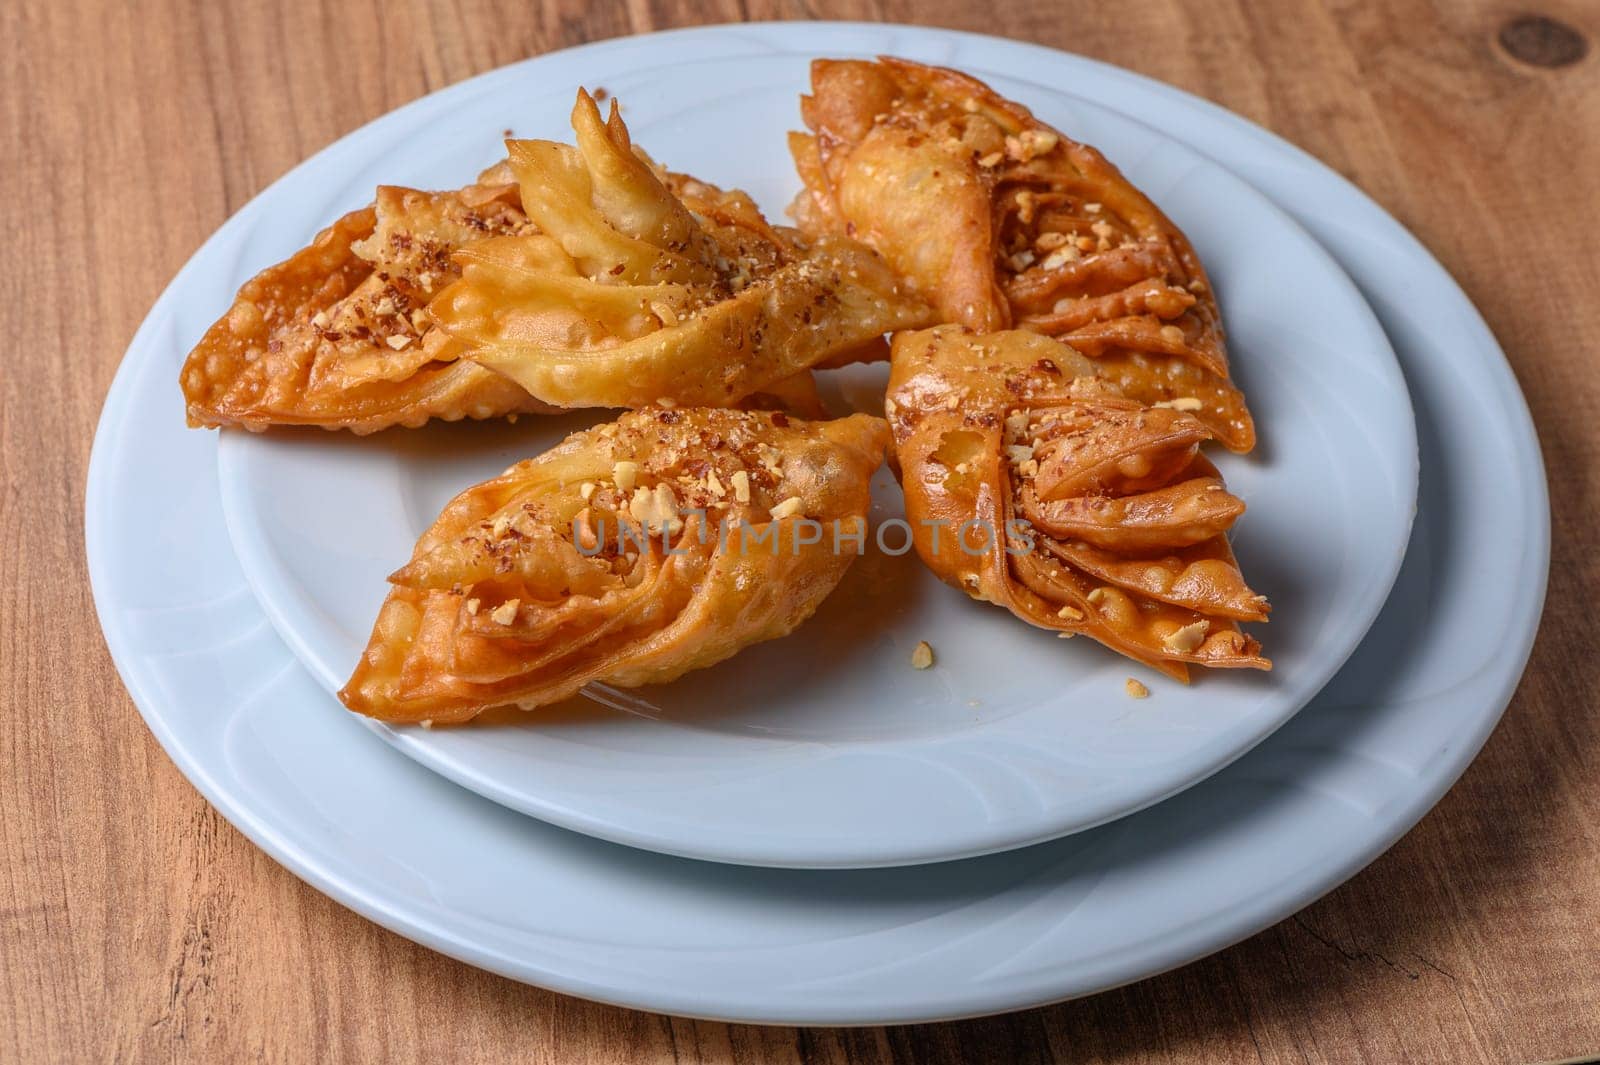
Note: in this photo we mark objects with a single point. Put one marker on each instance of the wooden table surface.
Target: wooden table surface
(138, 925)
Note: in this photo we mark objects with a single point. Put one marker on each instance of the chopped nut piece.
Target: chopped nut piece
(1186, 639)
(501, 525)
(625, 474)
(741, 486)
(1172, 334)
(472, 606)
(656, 510)
(1048, 242)
(398, 341)
(1098, 595)
(921, 655)
(1019, 453)
(426, 722)
(1181, 403)
(714, 485)
(583, 528)
(1070, 613)
(1038, 141)
(385, 306)
(506, 612)
(991, 160)
(585, 490)
(1061, 257)
(787, 509)
(1135, 689)
(664, 312)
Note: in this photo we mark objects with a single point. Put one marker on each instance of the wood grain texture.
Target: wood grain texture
(136, 925)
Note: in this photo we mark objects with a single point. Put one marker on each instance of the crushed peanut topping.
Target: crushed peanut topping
(921, 655)
(506, 612)
(787, 509)
(714, 485)
(992, 160)
(1186, 639)
(741, 486)
(472, 606)
(1135, 689)
(1070, 613)
(398, 341)
(1098, 595)
(585, 490)
(1172, 334)
(625, 474)
(1181, 403)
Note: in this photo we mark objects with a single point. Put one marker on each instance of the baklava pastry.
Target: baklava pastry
(1000, 221)
(1032, 484)
(629, 554)
(641, 287)
(338, 335)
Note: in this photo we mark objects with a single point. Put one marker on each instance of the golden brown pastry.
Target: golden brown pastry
(1001, 221)
(1032, 484)
(338, 336)
(630, 554)
(641, 286)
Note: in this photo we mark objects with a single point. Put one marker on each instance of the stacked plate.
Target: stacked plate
(814, 832)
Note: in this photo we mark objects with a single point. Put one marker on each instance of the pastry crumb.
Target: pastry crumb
(1135, 689)
(921, 655)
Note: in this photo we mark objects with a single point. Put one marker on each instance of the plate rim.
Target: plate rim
(675, 830)
(1286, 899)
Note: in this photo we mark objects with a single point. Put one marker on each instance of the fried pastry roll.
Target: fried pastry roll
(1000, 221)
(1031, 483)
(642, 286)
(338, 335)
(629, 554)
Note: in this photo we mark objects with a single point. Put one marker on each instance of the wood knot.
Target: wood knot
(1542, 42)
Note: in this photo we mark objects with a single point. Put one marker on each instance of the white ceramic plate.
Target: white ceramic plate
(826, 748)
(1296, 816)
